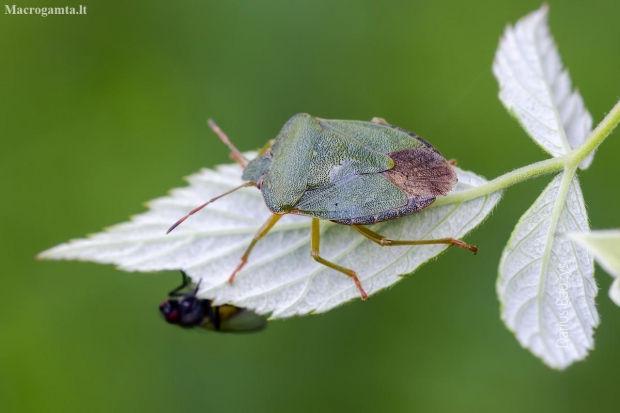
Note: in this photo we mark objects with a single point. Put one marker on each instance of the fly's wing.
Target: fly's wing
(237, 320)
(352, 197)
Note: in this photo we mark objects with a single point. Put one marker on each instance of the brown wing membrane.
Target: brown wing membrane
(421, 172)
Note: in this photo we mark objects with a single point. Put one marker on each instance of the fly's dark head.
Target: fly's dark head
(185, 312)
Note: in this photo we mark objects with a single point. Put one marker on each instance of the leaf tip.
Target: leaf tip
(41, 256)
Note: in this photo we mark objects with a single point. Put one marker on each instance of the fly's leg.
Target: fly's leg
(384, 242)
(234, 152)
(259, 234)
(184, 283)
(316, 241)
(211, 313)
(217, 322)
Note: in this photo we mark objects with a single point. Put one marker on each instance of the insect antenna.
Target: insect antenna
(179, 222)
(235, 153)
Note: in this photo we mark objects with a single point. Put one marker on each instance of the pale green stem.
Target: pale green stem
(598, 135)
(570, 160)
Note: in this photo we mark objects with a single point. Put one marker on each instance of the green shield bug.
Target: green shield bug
(349, 172)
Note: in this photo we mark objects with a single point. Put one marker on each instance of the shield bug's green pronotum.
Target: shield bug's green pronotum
(349, 172)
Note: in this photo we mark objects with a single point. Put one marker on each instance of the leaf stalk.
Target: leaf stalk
(568, 161)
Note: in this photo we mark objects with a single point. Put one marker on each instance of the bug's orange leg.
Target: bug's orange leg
(234, 152)
(316, 240)
(452, 162)
(384, 242)
(266, 147)
(259, 234)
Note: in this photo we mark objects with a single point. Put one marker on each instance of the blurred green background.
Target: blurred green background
(102, 112)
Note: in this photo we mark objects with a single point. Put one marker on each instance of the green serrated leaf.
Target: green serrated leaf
(546, 282)
(536, 89)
